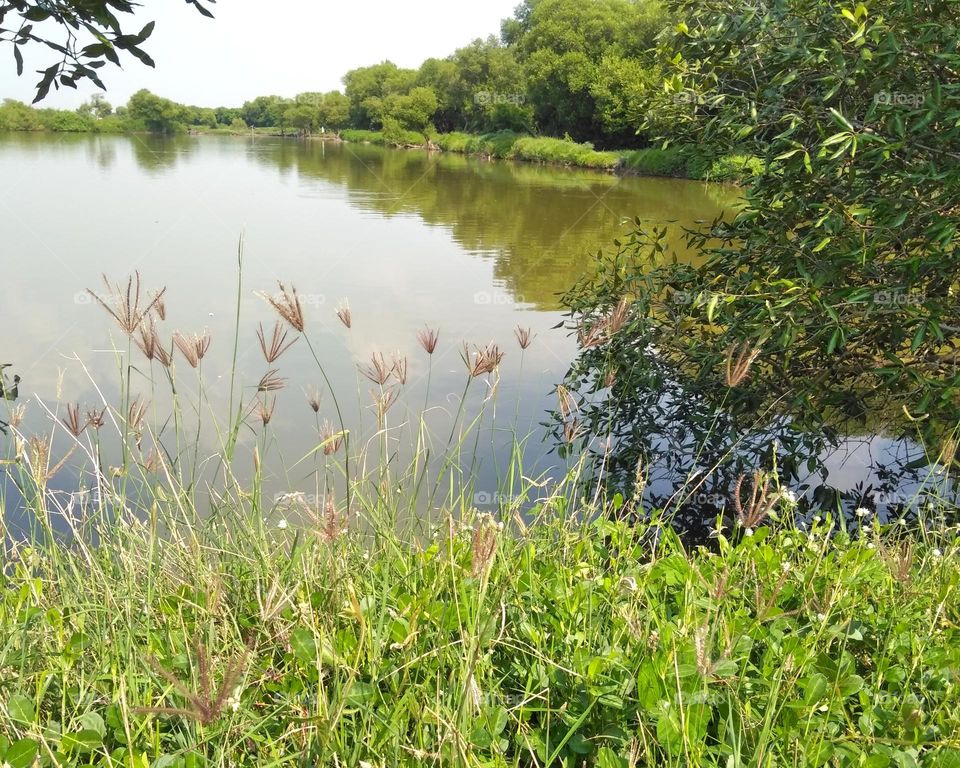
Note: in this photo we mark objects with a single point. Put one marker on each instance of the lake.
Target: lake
(409, 239)
(406, 239)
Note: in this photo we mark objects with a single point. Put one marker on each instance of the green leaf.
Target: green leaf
(81, 741)
(303, 643)
(20, 708)
(21, 753)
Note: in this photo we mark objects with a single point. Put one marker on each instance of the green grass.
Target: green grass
(400, 626)
(562, 152)
(674, 161)
(686, 163)
(654, 161)
(401, 138)
(571, 639)
(516, 146)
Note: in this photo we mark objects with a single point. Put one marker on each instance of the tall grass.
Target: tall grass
(395, 137)
(557, 626)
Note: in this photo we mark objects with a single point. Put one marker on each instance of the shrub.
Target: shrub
(359, 136)
(563, 152)
(654, 161)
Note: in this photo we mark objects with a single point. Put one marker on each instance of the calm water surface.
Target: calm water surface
(409, 239)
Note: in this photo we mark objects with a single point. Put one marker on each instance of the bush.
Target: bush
(63, 121)
(562, 152)
(654, 161)
(395, 135)
(358, 136)
(17, 116)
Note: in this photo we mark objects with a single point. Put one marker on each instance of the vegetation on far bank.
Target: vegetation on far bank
(682, 162)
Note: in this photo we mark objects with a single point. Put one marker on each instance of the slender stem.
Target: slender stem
(336, 405)
(236, 345)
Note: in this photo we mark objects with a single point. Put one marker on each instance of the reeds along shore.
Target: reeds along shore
(188, 622)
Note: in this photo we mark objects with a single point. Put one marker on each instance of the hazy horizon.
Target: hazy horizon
(229, 60)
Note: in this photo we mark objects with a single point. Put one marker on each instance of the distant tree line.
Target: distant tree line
(559, 67)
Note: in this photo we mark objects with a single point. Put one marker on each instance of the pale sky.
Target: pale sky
(299, 45)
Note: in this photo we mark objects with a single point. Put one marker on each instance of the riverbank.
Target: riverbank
(674, 162)
(242, 638)
(398, 615)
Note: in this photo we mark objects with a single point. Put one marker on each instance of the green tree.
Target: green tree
(92, 35)
(157, 114)
(841, 272)
(303, 116)
(491, 88)
(369, 88)
(17, 116)
(334, 111)
(97, 107)
(588, 65)
(260, 112)
(413, 111)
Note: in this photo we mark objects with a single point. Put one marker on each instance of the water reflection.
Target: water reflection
(470, 247)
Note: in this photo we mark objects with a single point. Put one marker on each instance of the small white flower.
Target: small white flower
(233, 700)
(748, 532)
(901, 521)
(786, 567)
(871, 545)
(821, 617)
(817, 519)
(789, 497)
(862, 512)
(282, 525)
(937, 553)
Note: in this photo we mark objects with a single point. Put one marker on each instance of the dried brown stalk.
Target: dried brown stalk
(123, 305)
(278, 342)
(287, 304)
(428, 338)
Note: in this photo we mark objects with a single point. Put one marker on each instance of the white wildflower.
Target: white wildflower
(862, 512)
(282, 525)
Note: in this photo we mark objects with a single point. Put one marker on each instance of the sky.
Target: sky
(247, 51)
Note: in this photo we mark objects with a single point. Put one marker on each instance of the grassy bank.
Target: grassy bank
(181, 622)
(681, 162)
(568, 639)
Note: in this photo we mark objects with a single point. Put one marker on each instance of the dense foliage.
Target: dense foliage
(235, 641)
(839, 279)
